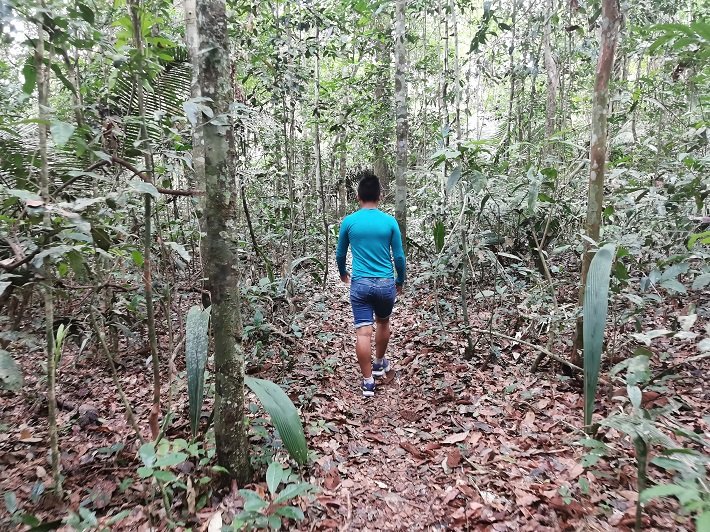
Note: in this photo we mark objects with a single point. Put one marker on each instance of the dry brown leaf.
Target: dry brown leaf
(455, 438)
(412, 450)
(454, 458)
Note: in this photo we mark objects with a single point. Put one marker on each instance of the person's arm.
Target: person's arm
(341, 252)
(398, 255)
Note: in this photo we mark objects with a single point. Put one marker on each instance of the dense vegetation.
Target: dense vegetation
(172, 178)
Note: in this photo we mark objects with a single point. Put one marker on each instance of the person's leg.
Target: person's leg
(363, 349)
(382, 337)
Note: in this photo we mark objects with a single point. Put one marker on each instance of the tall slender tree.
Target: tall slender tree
(610, 22)
(220, 220)
(42, 65)
(400, 98)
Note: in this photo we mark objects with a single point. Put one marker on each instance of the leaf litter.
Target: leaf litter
(445, 444)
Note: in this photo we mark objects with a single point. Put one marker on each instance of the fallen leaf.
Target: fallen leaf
(412, 450)
(455, 438)
(215, 524)
(454, 458)
(575, 471)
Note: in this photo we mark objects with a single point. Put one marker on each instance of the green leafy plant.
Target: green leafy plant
(283, 414)
(260, 512)
(279, 406)
(596, 302)
(196, 348)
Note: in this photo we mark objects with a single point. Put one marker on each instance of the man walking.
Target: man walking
(371, 234)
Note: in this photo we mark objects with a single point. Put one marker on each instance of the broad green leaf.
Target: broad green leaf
(292, 491)
(29, 73)
(291, 512)
(274, 475)
(454, 177)
(634, 396)
(596, 303)
(61, 132)
(283, 414)
(10, 502)
(439, 234)
(10, 373)
(170, 459)
(662, 490)
(145, 472)
(674, 285)
(252, 501)
(196, 348)
(147, 454)
(164, 476)
(701, 281)
(138, 185)
(702, 523)
(703, 238)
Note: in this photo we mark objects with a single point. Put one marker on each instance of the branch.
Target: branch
(128, 166)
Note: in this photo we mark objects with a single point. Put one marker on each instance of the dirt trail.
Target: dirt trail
(442, 446)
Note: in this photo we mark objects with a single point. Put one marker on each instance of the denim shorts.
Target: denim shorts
(372, 295)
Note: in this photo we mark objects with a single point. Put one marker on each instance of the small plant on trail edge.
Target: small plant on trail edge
(268, 511)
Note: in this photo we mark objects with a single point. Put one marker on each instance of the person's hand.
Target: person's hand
(400, 287)
(345, 278)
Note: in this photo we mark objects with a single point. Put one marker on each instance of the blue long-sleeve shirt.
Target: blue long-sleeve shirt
(371, 234)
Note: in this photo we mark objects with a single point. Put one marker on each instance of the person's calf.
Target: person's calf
(363, 350)
(382, 337)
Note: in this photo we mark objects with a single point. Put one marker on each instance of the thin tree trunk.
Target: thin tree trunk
(318, 161)
(222, 258)
(511, 66)
(42, 67)
(400, 95)
(134, 8)
(342, 174)
(382, 56)
(597, 152)
(191, 39)
(552, 79)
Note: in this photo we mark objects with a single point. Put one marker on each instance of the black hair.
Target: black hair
(368, 188)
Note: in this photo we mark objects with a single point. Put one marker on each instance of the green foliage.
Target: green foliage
(196, 350)
(283, 414)
(259, 513)
(596, 302)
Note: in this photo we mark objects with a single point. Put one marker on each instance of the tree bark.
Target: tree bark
(222, 259)
(400, 96)
(552, 79)
(611, 19)
(42, 66)
(134, 11)
(318, 158)
(192, 41)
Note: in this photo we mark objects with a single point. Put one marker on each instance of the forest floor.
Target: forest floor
(447, 444)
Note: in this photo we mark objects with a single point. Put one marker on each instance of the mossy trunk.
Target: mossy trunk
(222, 261)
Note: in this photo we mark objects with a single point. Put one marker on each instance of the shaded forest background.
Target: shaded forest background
(143, 142)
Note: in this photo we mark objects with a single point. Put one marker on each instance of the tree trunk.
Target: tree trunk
(192, 41)
(342, 171)
(320, 190)
(511, 95)
(400, 96)
(134, 11)
(552, 80)
(47, 289)
(379, 164)
(597, 153)
(222, 259)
